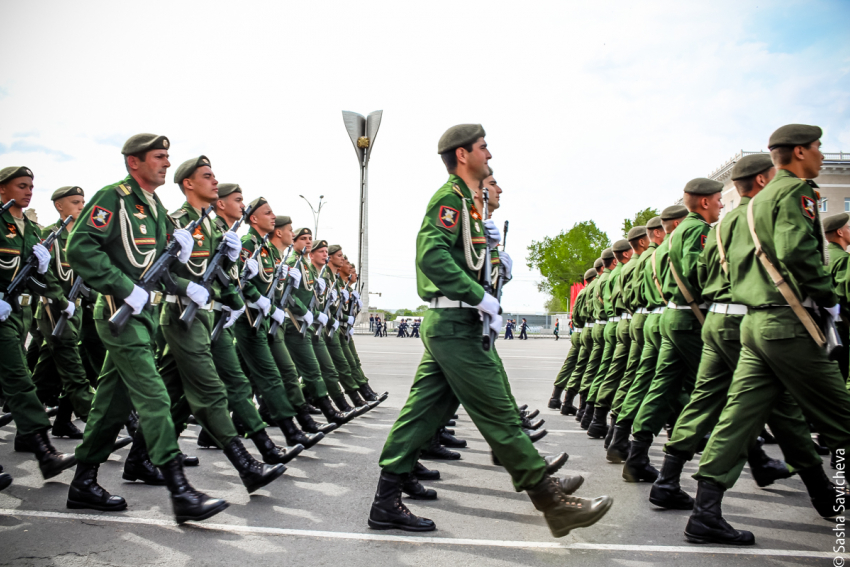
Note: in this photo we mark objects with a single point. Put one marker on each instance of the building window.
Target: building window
(846, 205)
(824, 205)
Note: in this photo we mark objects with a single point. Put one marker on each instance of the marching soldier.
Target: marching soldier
(577, 379)
(838, 235)
(600, 356)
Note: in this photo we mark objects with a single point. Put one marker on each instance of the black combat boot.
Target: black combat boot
(563, 512)
(389, 512)
(358, 401)
(555, 462)
(555, 400)
(343, 406)
(450, 440)
(295, 436)
(188, 504)
(706, 524)
(765, 470)
(120, 442)
(637, 467)
(50, 461)
(525, 414)
(5, 419)
(85, 492)
(589, 410)
(826, 497)
(272, 454)
(768, 438)
(331, 415)
(567, 408)
(582, 406)
(436, 451)
(380, 397)
(205, 440)
(5, 479)
(666, 492)
(369, 396)
(413, 488)
(313, 409)
(132, 423)
(424, 473)
(527, 423)
(618, 450)
(598, 429)
(305, 420)
(535, 436)
(253, 473)
(612, 420)
(138, 466)
(62, 425)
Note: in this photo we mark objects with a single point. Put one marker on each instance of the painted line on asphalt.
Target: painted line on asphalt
(426, 539)
(420, 353)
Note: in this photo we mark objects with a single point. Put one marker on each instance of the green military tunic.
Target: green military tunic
(634, 303)
(609, 334)
(344, 370)
(317, 339)
(839, 262)
(569, 366)
(623, 342)
(777, 352)
(455, 368)
(584, 340)
(596, 316)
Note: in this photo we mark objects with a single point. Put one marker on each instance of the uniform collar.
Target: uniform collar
(744, 201)
(456, 180)
(141, 194)
(697, 216)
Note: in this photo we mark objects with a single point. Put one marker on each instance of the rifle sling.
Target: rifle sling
(655, 277)
(724, 264)
(686, 293)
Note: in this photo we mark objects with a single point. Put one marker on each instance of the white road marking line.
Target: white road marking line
(427, 539)
(561, 358)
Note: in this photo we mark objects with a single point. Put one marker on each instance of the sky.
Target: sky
(593, 110)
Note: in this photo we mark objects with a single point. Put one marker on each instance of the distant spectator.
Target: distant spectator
(523, 327)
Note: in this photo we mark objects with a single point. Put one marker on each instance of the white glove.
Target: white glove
(5, 310)
(307, 318)
(70, 309)
(489, 305)
(350, 320)
(198, 293)
(279, 315)
(336, 325)
(355, 295)
(507, 265)
(345, 295)
(359, 304)
(40, 252)
(137, 299)
(333, 296)
(234, 245)
(492, 232)
(295, 276)
(496, 324)
(351, 331)
(834, 310)
(284, 269)
(264, 305)
(322, 285)
(234, 315)
(323, 319)
(252, 268)
(186, 242)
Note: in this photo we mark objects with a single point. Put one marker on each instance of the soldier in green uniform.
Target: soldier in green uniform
(587, 343)
(19, 240)
(111, 257)
(838, 235)
(654, 270)
(582, 341)
(451, 252)
(604, 337)
(777, 269)
(596, 314)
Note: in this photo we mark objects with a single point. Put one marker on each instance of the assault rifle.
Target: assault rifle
(339, 310)
(243, 279)
(279, 276)
(78, 289)
(488, 335)
(287, 293)
(313, 299)
(25, 276)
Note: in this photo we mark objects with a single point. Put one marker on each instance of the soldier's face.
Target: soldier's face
(319, 256)
(263, 218)
(153, 169)
(337, 260)
(287, 235)
(19, 189)
(231, 206)
(812, 159)
(713, 207)
(71, 205)
(305, 241)
(476, 160)
(494, 191)
(203, 183)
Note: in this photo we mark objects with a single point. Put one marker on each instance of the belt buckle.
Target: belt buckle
(24, 300)
(77, 302)
(156, 297)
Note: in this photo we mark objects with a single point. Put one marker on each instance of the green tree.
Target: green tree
(563, 259)
(640, 220)
(554, 305)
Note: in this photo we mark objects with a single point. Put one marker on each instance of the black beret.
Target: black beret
(319, 244)
(608, 254)
(458, 136)
(66, 191)
(703, 186)
(280, 221)
(598, 263)
(622, 246)
(257, 203)
(674, 212)
(301, 232)
(333, 249)
(590, 274)
(188, 167)
(835, 222)
(749, 166)
(637, 232)
(654, 222)
(14, 171)
(225, 189)
(144, 143)
(794, 135)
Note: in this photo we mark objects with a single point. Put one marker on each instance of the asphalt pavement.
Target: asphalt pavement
(316, 513)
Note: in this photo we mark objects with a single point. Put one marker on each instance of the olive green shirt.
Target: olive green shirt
(609, 291)
(686, 244)
(658, 259)
(714, 282)
(628, 282)
(15, 246)
(839, 261)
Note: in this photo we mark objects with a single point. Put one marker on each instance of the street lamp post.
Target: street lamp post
(362, 131)
(316, 212)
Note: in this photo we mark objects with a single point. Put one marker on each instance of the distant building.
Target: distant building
(834, 183)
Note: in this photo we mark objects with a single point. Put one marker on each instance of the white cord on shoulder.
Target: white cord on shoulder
(124, 221)
(468, 249)
(62, 273)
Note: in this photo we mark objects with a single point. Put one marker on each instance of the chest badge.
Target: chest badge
(13, 230)
(198, 235)
(141, 214)
(143, 229)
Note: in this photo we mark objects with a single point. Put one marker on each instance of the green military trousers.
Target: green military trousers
(187, 368)
(585, 341)
(617, 368)
(91, 347)
(456, 369)
(340, 361)
(287, 369)
(571, 361)
(597, 339)
(721, 337)
(263, 371)
(777, 356)
(304, 357)
(15, 378)
(129, 380)
(63, 353)
(637, 342)
(610, 344)
(326, 364)
(645, 370)
(353, 349)
(347, 347)
(675, 372)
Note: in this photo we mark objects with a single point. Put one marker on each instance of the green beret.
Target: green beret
(188, 167)
(65, 191)
(622, 246)
(14, 171)
(794, 135)
(318, 245)
(598, 263)
(257, 203)
(281, 221)
(301, 232)
(608, 254)
(654, 222)
(638, 232)
(225, 189)
(674, 212)
(460, 135)
(749, 166)
(835, 222)
(144, 143)
(590, 274)
(333, 249)
(703, 186)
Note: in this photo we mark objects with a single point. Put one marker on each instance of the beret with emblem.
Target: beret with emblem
(301, 232)
(319, 244)
(835, 222)
(608, 254)
(333, 249)
(460, 135)
(703, 186)
(674, 212)
(14, 171)
(749, 166)
(637, 232)
(257, 203)
(622, 246)
(225, 189)
(598, 263)
(590, 274)
(794, 135)
(144, 143)
(188, 167)
(66, 191)
(281, 221)
(654, 222)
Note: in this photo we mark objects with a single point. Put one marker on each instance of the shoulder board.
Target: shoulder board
(179, 213)
(254, 240)
(812, 183)
(123, 189)
(457, 190)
